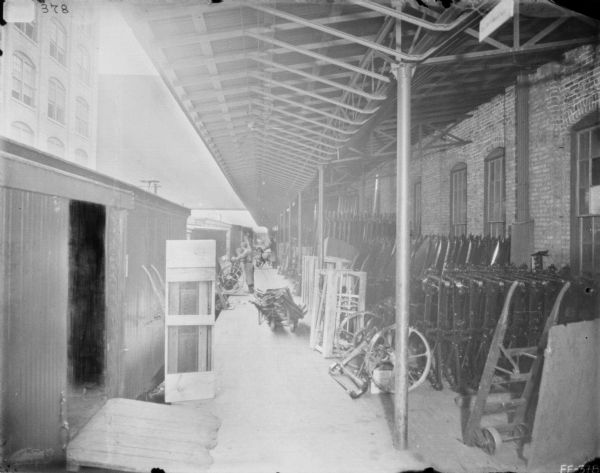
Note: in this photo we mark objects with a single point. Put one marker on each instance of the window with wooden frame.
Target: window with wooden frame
(58, 42)
(23, 79)
(28, 29)
(416, 208)
(56, 100)
(82, 116)
(587, 185)
(458, 200)
(83, 65)
(494, 213)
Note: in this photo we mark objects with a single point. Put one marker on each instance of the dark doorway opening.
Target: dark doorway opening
(87, 321)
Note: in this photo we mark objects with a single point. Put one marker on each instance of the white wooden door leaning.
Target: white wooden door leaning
(189, 320)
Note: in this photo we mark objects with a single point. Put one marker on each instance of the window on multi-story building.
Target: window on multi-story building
(416, 208)
(56, 147)
(83, 64)
(23, 84)
(81, 157)
(56, 101)
(494, 217)
(28, 29)
(458, 200)
(22, 132)
(82, 116)
(58, 42)
(588, 199)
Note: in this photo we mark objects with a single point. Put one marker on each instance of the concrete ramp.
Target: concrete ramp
(136, 436)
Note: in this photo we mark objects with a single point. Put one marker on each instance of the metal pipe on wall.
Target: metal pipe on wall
(403, 77)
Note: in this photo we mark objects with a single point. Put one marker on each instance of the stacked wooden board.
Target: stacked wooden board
(136, 436)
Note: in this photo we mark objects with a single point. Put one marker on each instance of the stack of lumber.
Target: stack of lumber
(136, 436)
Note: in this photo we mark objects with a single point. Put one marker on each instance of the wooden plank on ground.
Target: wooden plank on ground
(136, 436)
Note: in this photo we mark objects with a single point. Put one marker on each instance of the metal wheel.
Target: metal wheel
(491, 440)
(230, 279)
(381, 354)
(356, 328)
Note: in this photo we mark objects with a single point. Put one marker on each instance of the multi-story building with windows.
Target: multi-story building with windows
(48, 83)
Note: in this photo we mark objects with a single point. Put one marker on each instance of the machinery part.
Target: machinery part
(293, 325)
(230, 277)
(338, 371)
(356, 328)
(380, 354)
(491, 440)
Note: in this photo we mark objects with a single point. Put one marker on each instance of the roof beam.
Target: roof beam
(428, 25)
(313, 95)
(318, 56)
(195, 60)
(273, 161)
(301, 137)
(292, 151)
(307, 168)
(308, 148)
(311, 109)
(340, 34)
(227, 34)
(307, 120)
(454, 58)
(322, 79)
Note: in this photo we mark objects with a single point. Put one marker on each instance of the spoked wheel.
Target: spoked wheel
(381, 355)
(230, 280)
(357, 327)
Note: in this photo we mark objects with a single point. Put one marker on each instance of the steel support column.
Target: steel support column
(404, 75)
(320, 247)
(290, 229)
(299, 210)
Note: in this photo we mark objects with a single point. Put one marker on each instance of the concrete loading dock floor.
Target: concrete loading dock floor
(281, 412)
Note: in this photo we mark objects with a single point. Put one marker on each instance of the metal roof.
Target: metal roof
(277, 88)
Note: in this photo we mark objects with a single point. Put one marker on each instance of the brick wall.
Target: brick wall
(561, 94)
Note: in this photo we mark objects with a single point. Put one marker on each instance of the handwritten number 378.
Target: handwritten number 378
(47, 7)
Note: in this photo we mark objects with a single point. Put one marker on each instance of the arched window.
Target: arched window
(23, 79)
(56, 147)
(58, 42)
(22, 132)
(82, 116)
(56, 101)
(585, 181)
(83, 65)
(458, 200)
(28, 29)
(81, 157)
(494, 211)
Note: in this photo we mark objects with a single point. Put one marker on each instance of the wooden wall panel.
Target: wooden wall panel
(34, 233)
(149, 227)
